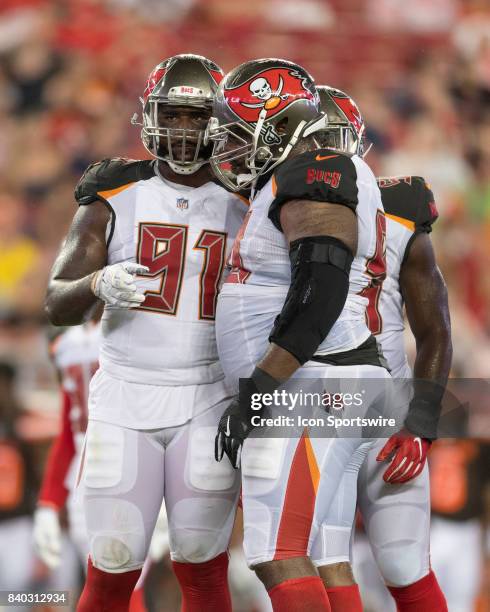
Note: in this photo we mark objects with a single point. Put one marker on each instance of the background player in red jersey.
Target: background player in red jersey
(394, 501)
(149, 240)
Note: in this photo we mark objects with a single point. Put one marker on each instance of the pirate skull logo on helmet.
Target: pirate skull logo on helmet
(261, 88)
(262, 108)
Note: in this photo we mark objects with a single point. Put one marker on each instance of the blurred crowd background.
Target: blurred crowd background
(72, 71)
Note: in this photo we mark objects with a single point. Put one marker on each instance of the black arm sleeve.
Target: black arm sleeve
(320, 268)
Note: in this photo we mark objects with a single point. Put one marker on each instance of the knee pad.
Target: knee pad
(118, 542)
(199, 529)
(110, 554)
(402, 555)
(401, 566)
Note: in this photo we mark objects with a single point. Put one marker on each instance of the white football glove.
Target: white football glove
(159, 545)
(47, 535)
(115, 284)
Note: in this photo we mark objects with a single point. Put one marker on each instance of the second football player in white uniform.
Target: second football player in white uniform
(394, 502)
(292, 306)
(150, 239)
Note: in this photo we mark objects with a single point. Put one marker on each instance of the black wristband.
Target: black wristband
(259, 382)
(423, 418)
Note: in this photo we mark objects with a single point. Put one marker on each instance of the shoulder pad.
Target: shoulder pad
(410, 198)
(322, 175)
(110, 174)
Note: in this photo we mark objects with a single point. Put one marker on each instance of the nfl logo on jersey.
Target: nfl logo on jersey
(182, 203)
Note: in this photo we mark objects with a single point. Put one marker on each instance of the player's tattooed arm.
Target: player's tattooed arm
(300, 219)
(69, 298)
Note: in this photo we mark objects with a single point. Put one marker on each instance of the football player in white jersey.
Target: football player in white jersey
(292, 306)
(75, 355)
(149, 239)
(394, 501)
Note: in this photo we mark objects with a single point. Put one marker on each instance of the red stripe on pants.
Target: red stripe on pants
(299, 505)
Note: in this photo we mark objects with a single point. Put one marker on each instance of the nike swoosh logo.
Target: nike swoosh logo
(227, 430)
(323, 157)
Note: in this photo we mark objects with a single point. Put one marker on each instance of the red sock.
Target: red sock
(105, 592)
(300, 594)
(137, 601)
(425, 595)
(204, 586)
(345, 598)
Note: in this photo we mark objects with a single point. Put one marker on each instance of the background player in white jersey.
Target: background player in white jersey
(149, 239)
(315, 219)
(394, 502)
(75, 355)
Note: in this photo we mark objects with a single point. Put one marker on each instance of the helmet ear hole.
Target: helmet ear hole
(282, 126)
(263, 153)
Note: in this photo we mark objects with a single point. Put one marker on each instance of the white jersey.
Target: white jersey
(76, 356)
(182, 234)
(410, 209)
(260, 256)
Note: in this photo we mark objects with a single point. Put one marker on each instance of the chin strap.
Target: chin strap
(176, 168)
(258, 128)
(183, 169)
(244, 179)
(367, 150)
